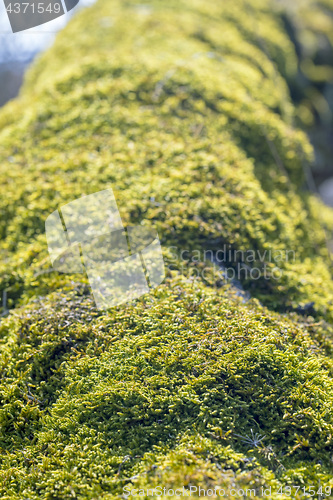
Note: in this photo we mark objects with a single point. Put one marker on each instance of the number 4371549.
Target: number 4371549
(40, 8)
(307, 491)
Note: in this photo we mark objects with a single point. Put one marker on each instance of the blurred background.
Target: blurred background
(309, 25)
(17, 50)
(311, 89)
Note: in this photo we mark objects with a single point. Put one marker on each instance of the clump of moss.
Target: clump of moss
(172, 383)
(184, 110)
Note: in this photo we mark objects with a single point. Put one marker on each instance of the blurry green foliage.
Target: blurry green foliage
(309, 24)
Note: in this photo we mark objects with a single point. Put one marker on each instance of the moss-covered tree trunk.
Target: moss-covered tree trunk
(184, 109)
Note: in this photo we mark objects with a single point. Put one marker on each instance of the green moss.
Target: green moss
(184, 110)
(93, 399)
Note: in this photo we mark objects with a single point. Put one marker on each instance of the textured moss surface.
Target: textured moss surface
(183, 109)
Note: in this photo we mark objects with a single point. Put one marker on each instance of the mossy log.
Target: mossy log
(184, 109)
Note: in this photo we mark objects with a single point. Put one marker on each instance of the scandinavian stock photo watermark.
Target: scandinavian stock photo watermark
(87, 235)
(218, 492)
(28, 14)
(232, 265)
(122, 264)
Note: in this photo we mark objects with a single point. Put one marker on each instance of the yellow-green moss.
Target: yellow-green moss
(182, 108)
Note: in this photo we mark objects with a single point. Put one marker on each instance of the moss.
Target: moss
(92, 401)
(184, 110)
